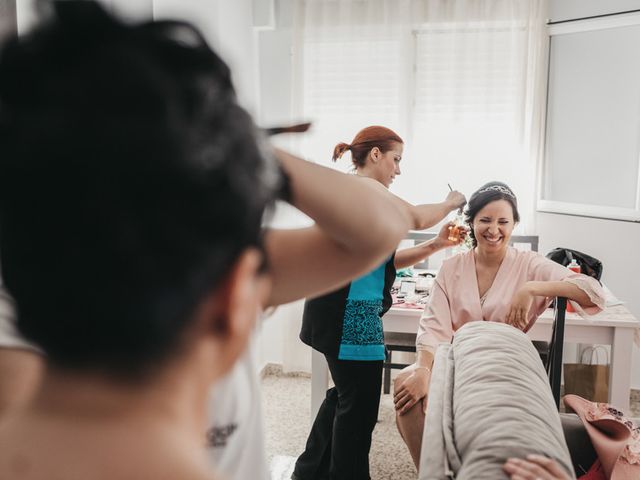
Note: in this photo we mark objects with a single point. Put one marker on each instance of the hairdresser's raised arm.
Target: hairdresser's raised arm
(427, 215)
(358, 224)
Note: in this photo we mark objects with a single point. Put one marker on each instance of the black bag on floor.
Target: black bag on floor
(589, 265)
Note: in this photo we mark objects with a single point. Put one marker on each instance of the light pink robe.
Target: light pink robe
(455, 300)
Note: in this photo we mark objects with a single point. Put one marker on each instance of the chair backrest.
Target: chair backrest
(419, 237)
(556, 347)
(522, 242)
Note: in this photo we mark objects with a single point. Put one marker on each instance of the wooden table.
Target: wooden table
(613, 326)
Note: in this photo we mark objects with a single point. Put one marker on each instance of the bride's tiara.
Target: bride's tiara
(498, 188)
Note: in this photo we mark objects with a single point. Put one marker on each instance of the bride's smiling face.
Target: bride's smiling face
(493, 225)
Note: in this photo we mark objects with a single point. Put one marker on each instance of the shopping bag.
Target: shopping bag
(588, 380)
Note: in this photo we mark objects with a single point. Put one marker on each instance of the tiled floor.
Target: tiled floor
(282, 467)
(287, 423)
(635, 403)
(286, 403)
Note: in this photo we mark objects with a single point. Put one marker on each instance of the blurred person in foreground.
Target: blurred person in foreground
(132, 195)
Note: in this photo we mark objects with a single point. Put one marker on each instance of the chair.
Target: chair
(406, 342)
(419, 237)
(556, 347)
(395, 342)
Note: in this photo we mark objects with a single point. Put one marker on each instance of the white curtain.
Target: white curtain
(462, 81)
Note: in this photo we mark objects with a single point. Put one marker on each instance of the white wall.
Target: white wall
(280, 340)
(613, 242)
(228, 27)
(274, 56)
(26, 15)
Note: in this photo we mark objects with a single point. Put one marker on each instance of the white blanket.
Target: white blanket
(489, 400)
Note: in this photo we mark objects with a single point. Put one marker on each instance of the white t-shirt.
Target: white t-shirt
(9, 336)
(235, 440)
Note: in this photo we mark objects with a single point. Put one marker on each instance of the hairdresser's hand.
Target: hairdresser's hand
(410, 387)
(455, 199)
(520, 305)
(535, 467)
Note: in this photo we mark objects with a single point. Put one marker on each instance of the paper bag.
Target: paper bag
(588, 380)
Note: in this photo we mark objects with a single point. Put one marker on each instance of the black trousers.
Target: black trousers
(340, 439)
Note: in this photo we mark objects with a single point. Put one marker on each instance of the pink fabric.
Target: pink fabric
(604, 411)
(615, 438)
(455, 300)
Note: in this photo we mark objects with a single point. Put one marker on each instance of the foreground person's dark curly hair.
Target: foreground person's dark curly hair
(130, 182)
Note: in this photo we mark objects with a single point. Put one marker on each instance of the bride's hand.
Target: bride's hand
(519, 310)
(411, 386)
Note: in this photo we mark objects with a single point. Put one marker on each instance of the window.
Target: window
(457, 93)
(593, 119)
(345, 90)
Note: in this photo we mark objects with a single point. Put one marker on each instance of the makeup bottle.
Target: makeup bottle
(574, 267)
(456, 228)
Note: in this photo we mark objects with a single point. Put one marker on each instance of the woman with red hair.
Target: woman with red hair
(346, 325)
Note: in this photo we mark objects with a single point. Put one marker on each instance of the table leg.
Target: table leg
(319, 381)
(620, 369)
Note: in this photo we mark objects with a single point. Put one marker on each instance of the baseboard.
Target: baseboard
(276, 370)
